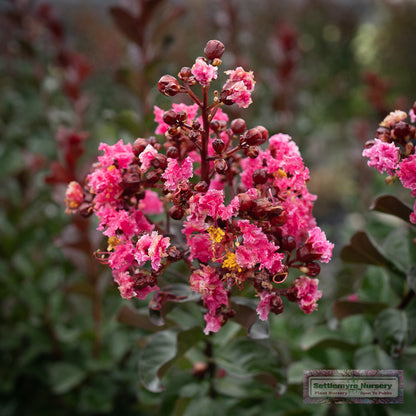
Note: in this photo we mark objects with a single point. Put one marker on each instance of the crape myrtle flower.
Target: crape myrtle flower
(236, 207)
(393, 150)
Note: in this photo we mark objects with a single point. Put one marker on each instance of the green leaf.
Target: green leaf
(323, 336)
(389, 204)
(160, 353)
(373, 357)
(63, 377)
(295, 370)
(130, 316)
(245, 358)
(391, 330)
(246, 316)
(343, 308)
(411, 278)
(362, 249)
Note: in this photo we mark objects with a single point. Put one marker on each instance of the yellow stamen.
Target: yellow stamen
(281, 174)
(230, 262)
(112, 243)
(112, 167)
(215, 234)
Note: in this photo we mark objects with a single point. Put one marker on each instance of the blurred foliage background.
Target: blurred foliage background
(73, 74)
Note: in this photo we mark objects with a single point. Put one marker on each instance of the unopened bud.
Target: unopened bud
(311, 269)
(408, 148)
(152, 177)
(220, 166)
(172, 152)
(238, 126)
(260, 176)
(168, 85)
(174, 254)
(138, 146)
(159, 161)
(288, 242)
(201, 186)
(181, 116)
(401, 131)
(214, 49)
(245, 202)
(185, 73)
(279, 220)
(176, 212)
(253, 137)
(252, 152)
(218, 145)
(169, 117)
(276, 305)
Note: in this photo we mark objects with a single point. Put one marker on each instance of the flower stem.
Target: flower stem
(205, 137)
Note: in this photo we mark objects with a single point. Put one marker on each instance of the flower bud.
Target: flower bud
(220, 166)
(279, 220)
(138, 146)
(152, 177)
(311, 269)
(159, 161)
(214, 49)
(238, 126)
(252, 152)
(218, 145)
(288, 242)
(264, 133)
(181, 116)
(169, 117)
(201, 186)
(185, 73)
(245, 202)
(253, 137)
(168, 85)
(401, 131)
(276, 305)
(260, 176)
(176, 212)
(174, 254)
(172, 152)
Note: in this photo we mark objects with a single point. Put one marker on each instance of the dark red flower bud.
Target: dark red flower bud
(176, 212)
(245, 202)
(196, 125)
(238, 126)
(139, 145)
(174, 254)
(264, 133)
(168, 85)
(85, 209)
(401, 131)
(152, 177)
(260, 176)
(369, 144)
(218, 145)
(214, 49)
(253, 137)
(311, 269)
(185, 73)
(181, 116)
(220, 166)
(172, 152)
(276, 305)
(288, 242)
(159, 161)
(201, 186)
(252, 152)
(169, 117)
(214, 125)
(223, 97)
(279, 220)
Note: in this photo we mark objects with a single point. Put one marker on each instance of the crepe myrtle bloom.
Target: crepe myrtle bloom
(227, 199)
(393, 150)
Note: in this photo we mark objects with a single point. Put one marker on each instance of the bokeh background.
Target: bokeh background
(75, 73)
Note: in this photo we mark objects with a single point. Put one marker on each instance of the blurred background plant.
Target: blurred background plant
(78, 73)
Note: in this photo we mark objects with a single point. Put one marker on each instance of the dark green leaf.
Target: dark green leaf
(373, 357)
(64, 377)
(247, 317)
(362, 249)
(391, 330)
(160, 353)
(411, 278)
(130, 316)
(323, 336)
(389, 204)
(343, 308)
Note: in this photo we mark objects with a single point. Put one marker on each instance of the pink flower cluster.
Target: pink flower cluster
(237, 215)
(393, 151)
